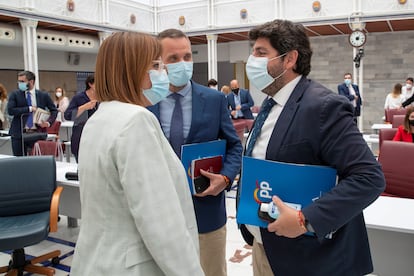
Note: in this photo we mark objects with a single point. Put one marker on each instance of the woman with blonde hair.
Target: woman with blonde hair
(4, 124)
(61, 102)
(134, 190)
(395, 98)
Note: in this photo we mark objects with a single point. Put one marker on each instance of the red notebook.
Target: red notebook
(212, 164)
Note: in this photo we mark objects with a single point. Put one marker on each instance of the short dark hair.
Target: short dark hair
(211, 82)
(28, 74)
(285, 36)
(410, 79)
(171, 33)
(89, 79)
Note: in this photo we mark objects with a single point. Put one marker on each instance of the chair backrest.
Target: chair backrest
(386, 134)
(27, 184)
(240, 127)
(397, 159)
(389, 113)
(46, 147)
(397, 120)
(54, 128)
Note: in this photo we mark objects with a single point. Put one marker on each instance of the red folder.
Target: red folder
(211, 164)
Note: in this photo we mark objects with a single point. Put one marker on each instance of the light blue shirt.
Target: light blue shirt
(237, 102)
(167, 106)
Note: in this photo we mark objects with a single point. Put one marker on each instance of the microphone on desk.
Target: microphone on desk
(72, 176)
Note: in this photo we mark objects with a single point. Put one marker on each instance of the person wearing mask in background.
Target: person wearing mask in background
(405, 132)
(61, 102)
(4, 124)
(22, 105)
(303, 122)
(394, 99)
(240, 102)
(407, 90)
(82, 106)
(146, 223)
(351, 91)
(203, 117)
(212, 83)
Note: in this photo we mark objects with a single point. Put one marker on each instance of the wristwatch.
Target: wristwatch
(308, 226)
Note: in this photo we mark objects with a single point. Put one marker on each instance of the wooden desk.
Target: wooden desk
(390, 225)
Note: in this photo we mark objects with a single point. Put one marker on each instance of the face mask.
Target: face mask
(180, 73)
(58, 94)
(411, 122)
(235, 90)
(23, 86)
(256, 70)
(408, 85)
(347, 82)
(160, 85)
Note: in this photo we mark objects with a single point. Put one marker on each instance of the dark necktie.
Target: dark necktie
(257, 127)
(176, 129)
(29, 122)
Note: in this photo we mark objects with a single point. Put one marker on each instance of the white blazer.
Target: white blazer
(137, 212)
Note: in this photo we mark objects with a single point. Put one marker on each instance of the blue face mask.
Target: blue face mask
(180, 73)
(256, 70)
(160, 85)
(347, 82)
(23, 86)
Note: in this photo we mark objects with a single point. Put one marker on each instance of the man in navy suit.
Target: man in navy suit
(18, 106)
(351, 91)
(240, 102)
(205, 117)
(309, 124)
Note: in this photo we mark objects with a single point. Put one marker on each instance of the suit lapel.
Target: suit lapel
(198, 105)
(285, 118)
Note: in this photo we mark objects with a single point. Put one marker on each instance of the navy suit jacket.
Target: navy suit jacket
(246, 103)
(17, 107)
(344, 91)
(317, 127)
(211, 121)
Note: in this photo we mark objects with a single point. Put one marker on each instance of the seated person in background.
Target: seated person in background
(61, 102)
(394, 99)
(405, 132)
(225, 89)
(212, 83)
(240, 102)
(81, 107)
(407, 89)
(3, 107)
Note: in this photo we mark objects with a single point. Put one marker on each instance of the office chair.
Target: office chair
(29, 201)
(397, 120)
(386, 134)
(54, 129)
(396, 159)
(45, 147)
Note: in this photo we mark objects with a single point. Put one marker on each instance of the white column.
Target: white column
(30, 47)
(212, 56)
(105, 11)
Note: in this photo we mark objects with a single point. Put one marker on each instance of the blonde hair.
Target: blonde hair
(397, 90)
(63, 92)
(225, 89)
(3, 92)
(122, 62)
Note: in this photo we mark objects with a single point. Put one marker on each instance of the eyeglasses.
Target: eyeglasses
(157, 65)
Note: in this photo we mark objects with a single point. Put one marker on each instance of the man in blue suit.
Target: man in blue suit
(205, 117)
(240, 102)
(308, 124)
(351, 91)
(22, 112)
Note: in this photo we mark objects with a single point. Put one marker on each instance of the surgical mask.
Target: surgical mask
(160, 86)
(235, 90)
(23, 86)
(411, 122)
(58, 94)
(347, 82)
(407, 85)
(256, 70)
(180, 73)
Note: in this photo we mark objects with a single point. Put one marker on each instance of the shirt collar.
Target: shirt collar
(183, 92)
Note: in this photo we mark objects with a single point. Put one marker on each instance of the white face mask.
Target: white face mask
(58, 94)
(408, 85)
(256, 70)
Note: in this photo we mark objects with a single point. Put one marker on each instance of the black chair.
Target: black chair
(29, 201)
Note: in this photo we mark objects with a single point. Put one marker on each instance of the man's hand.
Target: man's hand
(217, 184)
(288, 223)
